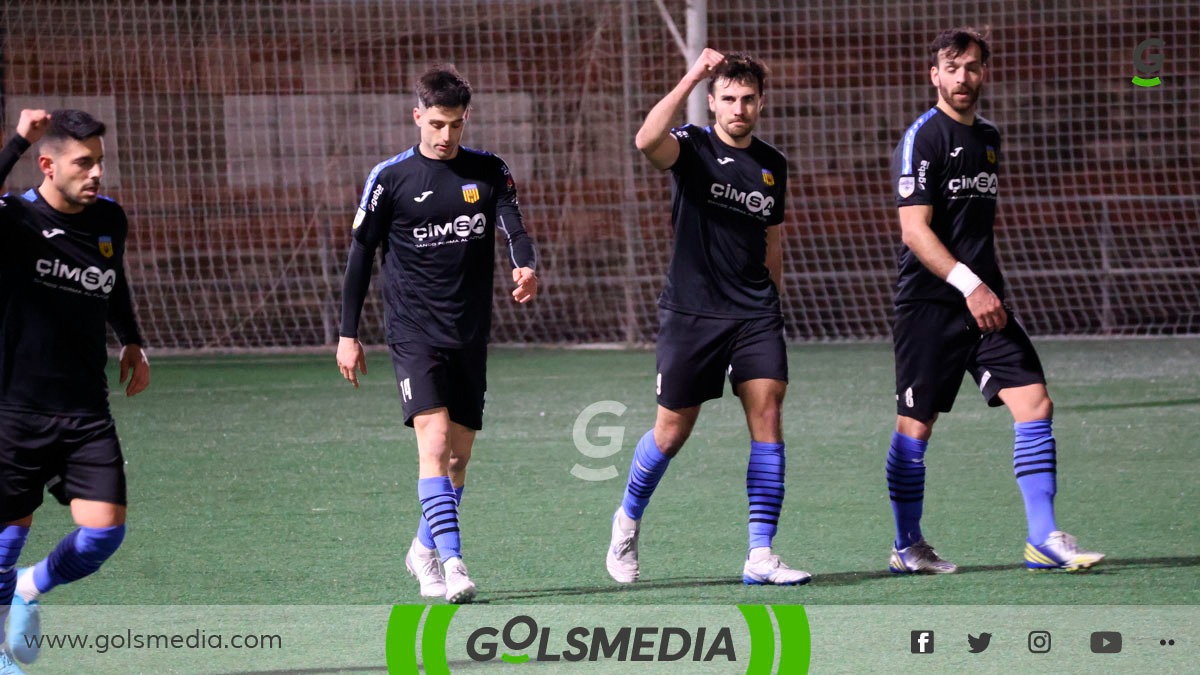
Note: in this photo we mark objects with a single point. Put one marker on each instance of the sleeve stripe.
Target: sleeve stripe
(366, 194)
(512, 254)
(910, 138)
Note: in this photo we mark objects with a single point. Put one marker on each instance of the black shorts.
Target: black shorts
(695, 353)
(431, 377)
(80, 457)
(936, 343)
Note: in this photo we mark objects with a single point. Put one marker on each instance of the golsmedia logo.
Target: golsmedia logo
(1148, 64)
(628, 643)
(539, 635)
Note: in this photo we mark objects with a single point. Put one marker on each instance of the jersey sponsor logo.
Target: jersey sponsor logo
(922, 168)
(90, 278)
(375, 197)
(423, 196)
(52, 233)
(956, 151)
(358, 219)
(106, 247)
(724, 160)
(755, 202)
(768, 177)
(462, 227)
(906, 186)
(984, 183)
(991, 155)
(470, 193)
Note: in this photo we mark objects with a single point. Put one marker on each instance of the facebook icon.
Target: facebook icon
(922, 642)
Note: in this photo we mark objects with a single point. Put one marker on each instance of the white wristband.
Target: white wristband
(962, 278)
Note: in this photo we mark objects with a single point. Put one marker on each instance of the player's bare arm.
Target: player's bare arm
(351, 359)
(919, 237)
(136, 367)
(527, 284)
(33, 124)
(654, 139)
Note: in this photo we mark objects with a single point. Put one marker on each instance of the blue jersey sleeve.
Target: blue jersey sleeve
(915, 166)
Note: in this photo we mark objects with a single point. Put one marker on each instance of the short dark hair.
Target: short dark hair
(957, 40)
(444, 87)
(69, 123)
(740, 67)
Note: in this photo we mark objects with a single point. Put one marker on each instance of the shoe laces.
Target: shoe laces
(456, 568)
(627, 543)
(772, 562)
(923, 551)
(1063, 542)
(429, 566)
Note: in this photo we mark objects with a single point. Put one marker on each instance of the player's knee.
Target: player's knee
(915, 428)
(99, 543)
(670, 439)
(1042, 409)
(459, 461)
(767, 421)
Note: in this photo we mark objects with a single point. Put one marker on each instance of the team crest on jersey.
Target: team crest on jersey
(991, 155)
(906, 186)
(470, 193)
(106, 247)
(768, 177)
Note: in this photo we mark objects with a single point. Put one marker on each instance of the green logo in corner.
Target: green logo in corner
(789, 654)
(1148, 65)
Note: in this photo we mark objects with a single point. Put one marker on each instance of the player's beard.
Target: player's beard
(85, 195)
(741, 132)
(959, 106)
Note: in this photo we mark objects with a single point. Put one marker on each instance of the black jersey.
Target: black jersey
(436, 220)
(954, 168)
(725, 198)
(62, 278)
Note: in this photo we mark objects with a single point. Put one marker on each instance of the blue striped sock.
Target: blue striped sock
(1035, 467)
(647, 468)
(906, 486)
(79, 554)
(424, 534)
(441, 510)
(12, 540)
(765, 488)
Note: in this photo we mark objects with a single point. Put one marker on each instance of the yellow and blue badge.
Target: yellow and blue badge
(106, 247)
(768, 177)
(470, 193)
(991, 155)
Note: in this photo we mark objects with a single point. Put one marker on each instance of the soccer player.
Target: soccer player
(62, 278)
(435, 208)
(719, 313)
(951, 315)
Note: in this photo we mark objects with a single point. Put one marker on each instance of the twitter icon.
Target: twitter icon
(978, 644)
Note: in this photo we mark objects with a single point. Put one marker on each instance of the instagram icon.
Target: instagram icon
(1039, 642)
